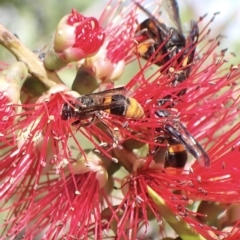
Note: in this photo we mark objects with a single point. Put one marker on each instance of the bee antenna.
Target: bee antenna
(162, 113)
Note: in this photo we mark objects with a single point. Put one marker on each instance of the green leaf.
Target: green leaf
(184, 230)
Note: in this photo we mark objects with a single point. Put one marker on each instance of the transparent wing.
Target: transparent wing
(172, 9)
(191, 144)
(87, 110)
(148, 13)
(108, 93)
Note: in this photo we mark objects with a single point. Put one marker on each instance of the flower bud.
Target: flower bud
(12, 79)
(85, 82)
(103, 67)
(81, 167)
(76, 37)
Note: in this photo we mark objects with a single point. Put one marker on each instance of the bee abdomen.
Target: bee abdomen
(134, 109)
(117, 110)
(130, 108)
(176, 156)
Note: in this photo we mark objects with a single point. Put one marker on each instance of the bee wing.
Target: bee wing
(150, 16)
(190, 143)
(172, 9)
(108, 93)
(42, 52)
(101, 107)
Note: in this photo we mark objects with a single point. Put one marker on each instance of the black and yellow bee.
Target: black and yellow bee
(113, 101)
(180, 143)
(167, 46)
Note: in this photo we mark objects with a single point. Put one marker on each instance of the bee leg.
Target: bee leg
(108, 130)
(162, 113)
(161, 102)
(78, 122)
(88, 123)
(171, 98)
(142, 31)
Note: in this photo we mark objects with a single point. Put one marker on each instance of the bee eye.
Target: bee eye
(67, 112)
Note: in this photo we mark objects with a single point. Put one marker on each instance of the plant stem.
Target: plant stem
(22, 53)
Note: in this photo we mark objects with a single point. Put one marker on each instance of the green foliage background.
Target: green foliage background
(34, 21)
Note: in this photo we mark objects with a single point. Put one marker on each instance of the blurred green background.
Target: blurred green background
(34, 21)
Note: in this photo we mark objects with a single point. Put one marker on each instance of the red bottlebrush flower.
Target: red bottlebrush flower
(205, 110)
(76, 38)
(187, 106)
(43, 146)
(87, 30)
(33, 133)
(137, 205)
(179, 188)
(42, 137)
(11, 80)
(69, 207)
(6, 112)
(109, 63)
